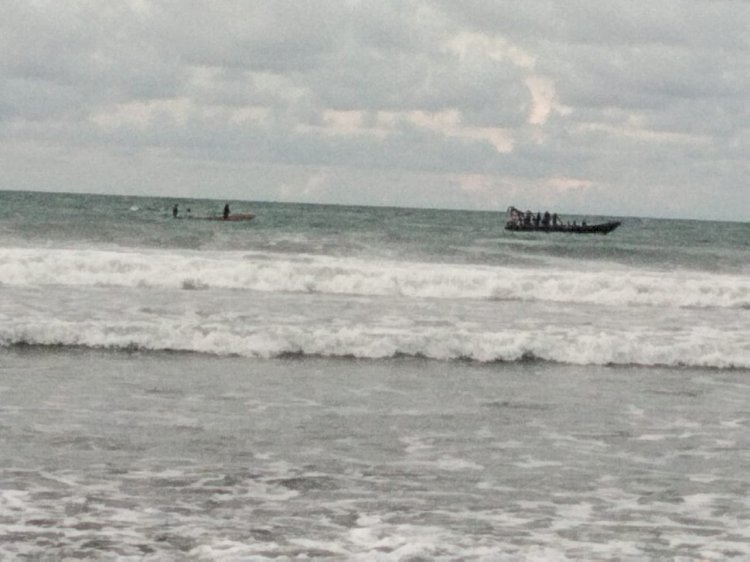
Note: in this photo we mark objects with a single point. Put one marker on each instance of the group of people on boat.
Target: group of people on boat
(520, 220)
(529, 219)
(530, 222)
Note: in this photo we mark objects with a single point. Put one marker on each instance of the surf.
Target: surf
(300, 273)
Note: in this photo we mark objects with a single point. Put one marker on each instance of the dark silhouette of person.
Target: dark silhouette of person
(226, 211)
(174, 211)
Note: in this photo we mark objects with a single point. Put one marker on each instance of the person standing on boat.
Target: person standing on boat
(226, 211)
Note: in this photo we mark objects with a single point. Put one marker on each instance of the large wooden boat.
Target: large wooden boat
(519, 222)
(599, 228)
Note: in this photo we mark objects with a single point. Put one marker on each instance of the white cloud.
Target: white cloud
(611, 106)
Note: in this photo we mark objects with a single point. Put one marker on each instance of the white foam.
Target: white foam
(125, 300)
(455, 464)
(579, 345)
(531, 463)
(321, 274)
(13, 500)
(653, 437)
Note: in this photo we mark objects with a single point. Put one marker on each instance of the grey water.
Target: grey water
(367, 383)
(155, 456)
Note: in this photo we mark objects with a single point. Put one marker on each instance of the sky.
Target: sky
(614, 107)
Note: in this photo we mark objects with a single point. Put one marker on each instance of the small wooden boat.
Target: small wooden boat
(233, 217)
(519, 222)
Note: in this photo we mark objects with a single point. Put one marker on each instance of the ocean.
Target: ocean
(333, 382)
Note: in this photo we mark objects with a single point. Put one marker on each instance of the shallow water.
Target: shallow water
(152, 456)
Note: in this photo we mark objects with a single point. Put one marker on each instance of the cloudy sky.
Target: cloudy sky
(627, 107)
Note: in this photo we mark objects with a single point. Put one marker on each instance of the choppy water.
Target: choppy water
(342, 382)
(119, 272)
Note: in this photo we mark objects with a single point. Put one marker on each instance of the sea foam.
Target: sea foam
(698, 347)
(331, 275)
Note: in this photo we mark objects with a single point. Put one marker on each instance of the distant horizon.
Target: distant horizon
(179, 199)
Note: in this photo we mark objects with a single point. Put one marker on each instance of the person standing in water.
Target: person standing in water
(226, 211)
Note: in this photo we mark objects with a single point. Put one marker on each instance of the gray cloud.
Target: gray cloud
(613, 107)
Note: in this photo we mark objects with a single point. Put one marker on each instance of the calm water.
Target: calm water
(351, 382)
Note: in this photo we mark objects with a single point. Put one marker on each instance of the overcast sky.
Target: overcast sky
(632, 107)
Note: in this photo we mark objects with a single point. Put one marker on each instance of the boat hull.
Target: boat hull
(601, 228)
(234, 218)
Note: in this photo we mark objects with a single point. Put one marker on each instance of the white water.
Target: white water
(260, 324)
(264, 305)
(610, 286)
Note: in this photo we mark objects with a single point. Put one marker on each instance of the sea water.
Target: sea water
(370, 383)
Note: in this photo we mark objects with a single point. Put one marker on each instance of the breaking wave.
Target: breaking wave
(701, 348)
(320, 274)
